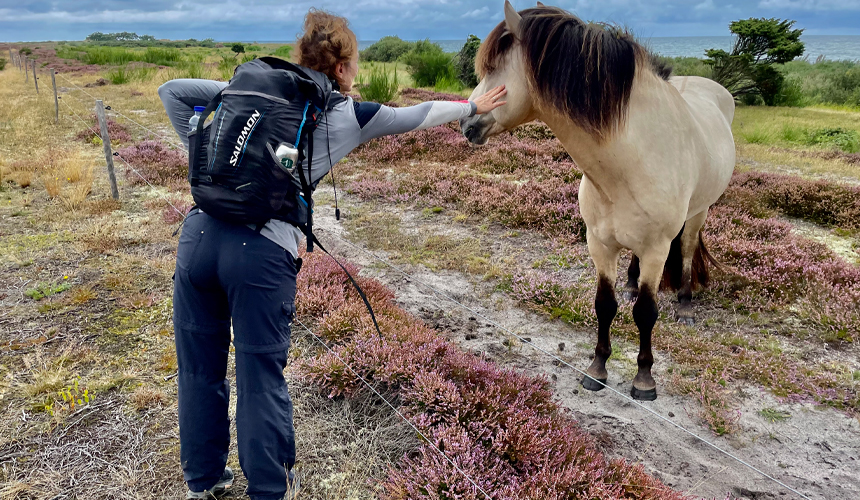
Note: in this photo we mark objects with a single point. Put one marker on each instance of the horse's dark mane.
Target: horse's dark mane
(584, 70)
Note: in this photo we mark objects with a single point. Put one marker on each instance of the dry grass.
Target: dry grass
(382, 230)
(145, 397)
(762, 157)
(82, 295)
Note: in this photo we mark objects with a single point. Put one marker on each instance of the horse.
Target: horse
(656, 152)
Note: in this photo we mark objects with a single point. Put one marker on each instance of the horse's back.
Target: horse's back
(712, 108)
(700, 92)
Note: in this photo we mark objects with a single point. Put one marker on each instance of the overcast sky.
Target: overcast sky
(280, 20)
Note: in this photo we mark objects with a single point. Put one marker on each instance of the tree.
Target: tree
(387, 49)
(238, 48)
(759, 45)
(465, 62)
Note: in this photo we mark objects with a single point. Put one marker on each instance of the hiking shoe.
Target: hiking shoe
(220, 487)
(293, 487)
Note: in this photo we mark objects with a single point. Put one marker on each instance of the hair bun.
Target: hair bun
(326, 41)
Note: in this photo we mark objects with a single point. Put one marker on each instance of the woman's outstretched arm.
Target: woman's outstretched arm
(377, 120)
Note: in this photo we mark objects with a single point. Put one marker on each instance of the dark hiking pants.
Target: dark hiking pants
(226, 271)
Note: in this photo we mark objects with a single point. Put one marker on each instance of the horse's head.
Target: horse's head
(501, 61)
(553, 63)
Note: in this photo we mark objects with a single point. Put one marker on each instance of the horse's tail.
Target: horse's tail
(674, 268)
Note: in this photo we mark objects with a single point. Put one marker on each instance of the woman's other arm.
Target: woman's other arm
(179, 98)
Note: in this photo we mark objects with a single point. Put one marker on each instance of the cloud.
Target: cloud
(477, 13)
(810, 5)
(281, 20)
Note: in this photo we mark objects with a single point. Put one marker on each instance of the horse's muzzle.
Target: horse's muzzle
(472, 130)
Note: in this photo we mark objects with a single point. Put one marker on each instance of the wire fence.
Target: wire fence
(440, 294)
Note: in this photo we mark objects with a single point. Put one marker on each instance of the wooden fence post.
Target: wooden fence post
(100, 112)
(35, 78)
(56, 101)
(26, 72)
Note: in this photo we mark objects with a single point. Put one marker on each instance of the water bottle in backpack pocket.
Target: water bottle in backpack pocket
(198, 138)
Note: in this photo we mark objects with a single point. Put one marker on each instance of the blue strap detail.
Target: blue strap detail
(248, 139)
(302, 125)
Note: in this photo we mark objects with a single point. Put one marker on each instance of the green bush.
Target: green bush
(844, 88)
(125, 74)
(688, 66)
(381, 87)
(465, 62)
(226, 66)
(835, 138)
(448, 83)
(791, 94)
(118, 75)
(284, 52)
(428, 63)
(253, 48)
(107, 55)
(756, 136)
(387, 49)
(792, 134)
(2, 64)
(25, 51)
(69, 52)
(161, 56)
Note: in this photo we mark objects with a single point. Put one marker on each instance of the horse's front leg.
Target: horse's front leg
(645, 315)
(606, 261)
(689, 244)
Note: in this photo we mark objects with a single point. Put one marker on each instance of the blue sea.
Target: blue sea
(832, 47)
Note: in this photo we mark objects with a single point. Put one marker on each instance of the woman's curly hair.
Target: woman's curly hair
(326, 41)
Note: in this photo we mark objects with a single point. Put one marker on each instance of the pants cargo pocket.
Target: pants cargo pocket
(289, 315)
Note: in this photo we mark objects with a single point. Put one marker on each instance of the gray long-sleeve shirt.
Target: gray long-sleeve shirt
(342, 129)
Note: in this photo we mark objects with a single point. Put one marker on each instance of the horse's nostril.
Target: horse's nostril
(470, 131)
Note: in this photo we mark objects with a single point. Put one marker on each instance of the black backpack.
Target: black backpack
(234, 173)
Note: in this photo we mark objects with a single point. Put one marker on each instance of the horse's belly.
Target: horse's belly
(624, 222)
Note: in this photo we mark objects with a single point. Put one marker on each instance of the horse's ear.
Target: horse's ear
(541, 4)
(512, 18)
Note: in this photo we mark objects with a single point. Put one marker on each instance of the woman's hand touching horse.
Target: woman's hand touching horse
(490, 100)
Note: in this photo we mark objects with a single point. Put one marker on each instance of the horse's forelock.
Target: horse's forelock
(494, 47)
(584, 70)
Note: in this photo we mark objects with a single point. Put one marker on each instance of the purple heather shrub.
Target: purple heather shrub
(422, 95)
(502, 427)
(170, 213)
(155, 162)
(822, 202)
(118, 133)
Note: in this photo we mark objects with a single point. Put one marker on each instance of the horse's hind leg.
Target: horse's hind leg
(606, 261)
(689, 244)
(645, 315)
(631, 288)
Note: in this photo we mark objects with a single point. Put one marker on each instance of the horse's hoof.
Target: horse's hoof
(630, 296)
(649, 395)
(687, 320)
(593, 384)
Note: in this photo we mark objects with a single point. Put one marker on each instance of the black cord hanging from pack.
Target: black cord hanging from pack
(331, 168)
